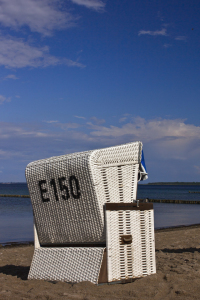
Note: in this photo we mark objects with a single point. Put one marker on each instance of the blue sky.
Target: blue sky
(84, 74)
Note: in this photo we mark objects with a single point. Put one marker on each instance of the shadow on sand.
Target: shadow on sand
(19, 271)
(184, 250)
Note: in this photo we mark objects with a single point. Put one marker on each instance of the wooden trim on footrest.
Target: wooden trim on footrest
(103, 274)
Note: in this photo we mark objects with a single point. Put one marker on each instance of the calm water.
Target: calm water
(16, 217)
(172, 192)
(14, 189)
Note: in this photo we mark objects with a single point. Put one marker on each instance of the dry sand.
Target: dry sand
(178, 274)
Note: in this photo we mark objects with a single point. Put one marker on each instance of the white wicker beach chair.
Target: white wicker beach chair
(87, 226)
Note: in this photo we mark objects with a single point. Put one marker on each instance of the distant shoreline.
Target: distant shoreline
(171, 183)
(13, 183)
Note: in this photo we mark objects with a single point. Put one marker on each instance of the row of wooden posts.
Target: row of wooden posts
(147, 200)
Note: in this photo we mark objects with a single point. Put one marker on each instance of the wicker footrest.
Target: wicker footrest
(67, 264)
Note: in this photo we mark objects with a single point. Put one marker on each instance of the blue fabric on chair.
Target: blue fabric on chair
(143, 169)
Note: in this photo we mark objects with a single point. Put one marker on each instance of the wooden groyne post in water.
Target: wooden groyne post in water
(174, 201)
(148, 200)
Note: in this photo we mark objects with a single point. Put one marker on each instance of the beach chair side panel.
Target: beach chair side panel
(136, 256)
(115, 173)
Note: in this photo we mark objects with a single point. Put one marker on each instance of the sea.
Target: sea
(16, 215)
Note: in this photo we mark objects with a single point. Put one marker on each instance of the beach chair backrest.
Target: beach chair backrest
(68, 192)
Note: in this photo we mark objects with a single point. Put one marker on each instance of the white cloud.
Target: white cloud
(16, 53)
(171, 138)
(167, 45)
(80, 117)
(50, 122)
(160, 16)
(97, 5)
(10, 130)
(150, 130)
(66, 126)
(71, 63)
(123, 119)
(97, 121)
(170, 145)
(11, 76)
(35, 141)
(8, 154)
(41, 16)
(197, 169)
(160, 131)
(181, 38)
(162, 32)
(4, 99)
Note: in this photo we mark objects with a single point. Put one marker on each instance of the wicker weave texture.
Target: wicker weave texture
(116, 184)
(68, 192)
(61, 220)
(132, 260)
(67, 264)
(118, 155)
(115, 172)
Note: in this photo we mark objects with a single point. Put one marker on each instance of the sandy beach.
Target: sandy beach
(178, 273)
